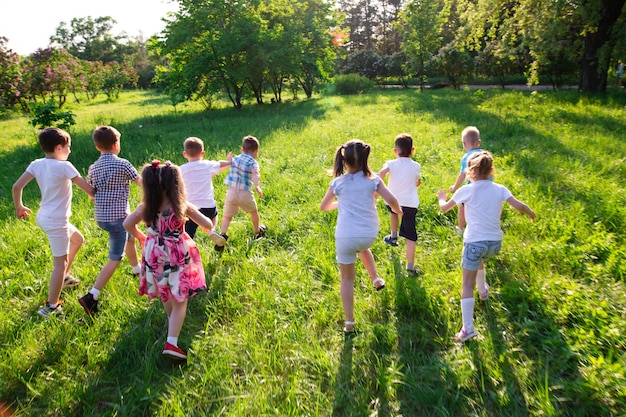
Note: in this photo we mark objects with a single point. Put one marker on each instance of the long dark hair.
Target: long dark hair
(163, 180)
(354, 153)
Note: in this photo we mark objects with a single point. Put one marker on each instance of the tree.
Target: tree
(11, 85)
(91, 39)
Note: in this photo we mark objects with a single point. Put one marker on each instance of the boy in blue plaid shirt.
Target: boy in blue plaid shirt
(243, 176)
(111, 177)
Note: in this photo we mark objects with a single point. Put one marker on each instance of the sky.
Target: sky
(28, 24)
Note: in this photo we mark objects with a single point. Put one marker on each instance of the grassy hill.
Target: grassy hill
(266, 340)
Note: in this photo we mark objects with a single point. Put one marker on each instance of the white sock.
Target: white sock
(95, 292)
(481, 281)
(467, 312)
(172, 340)
(135, 268)
(394, 235)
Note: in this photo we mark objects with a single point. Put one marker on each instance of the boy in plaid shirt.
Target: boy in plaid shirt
(243, 176)
(111, 177)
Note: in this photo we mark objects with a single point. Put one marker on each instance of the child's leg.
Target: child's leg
(348, 273)
(393, 220)
(481, 282)
(467, 300)
(76, 241)
(369, 263)
(410, 254)
(105, 275)
(254, 216)
(225, 223)
(214, 221)
(131, 253)
(176, 317)
(56, 279)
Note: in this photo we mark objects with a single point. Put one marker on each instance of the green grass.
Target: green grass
(265, 339)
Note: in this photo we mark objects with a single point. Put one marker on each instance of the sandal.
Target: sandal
(348, 327)
(484, 296)
(381, 281)
(463, 336)
(69, 281)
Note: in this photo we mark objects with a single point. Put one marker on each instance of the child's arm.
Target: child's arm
(200, 219)
(131, 222)
(418, 182)
(383, 172)
(138, 182)
(227, 163)
(328, 202)
(521, 207)
(460, 179)
(256, 179)
(444, 205)
(84, 185)
(21, 211)
(389, 198)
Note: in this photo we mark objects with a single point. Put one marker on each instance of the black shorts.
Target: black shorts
(408, 228)
(191, 226)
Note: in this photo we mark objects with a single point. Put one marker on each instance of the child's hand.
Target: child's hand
(142, 240)
(22, 212)
(441, 195)
(229, 157)
(451, 189)
(259, 191)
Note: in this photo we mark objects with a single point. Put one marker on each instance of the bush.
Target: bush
(352, 84)
(48, 114)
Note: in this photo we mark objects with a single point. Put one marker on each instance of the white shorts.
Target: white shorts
(348, 247)
(59, 233)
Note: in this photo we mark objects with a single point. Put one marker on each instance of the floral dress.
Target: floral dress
(170, 261)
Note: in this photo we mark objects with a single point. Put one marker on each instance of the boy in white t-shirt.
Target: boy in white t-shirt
(482, 238)
(197, 176)
(54, 175)
(404, 178)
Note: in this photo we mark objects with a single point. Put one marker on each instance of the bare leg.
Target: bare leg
(393, 220)
(410, 252)
(76, 241)
(369, 263)
(131, 251)
(56, 279)
(226, 223)
(178, 311)
(254, 216)
(105, 274)
(348, 273)
(214, 221)
(481, 282)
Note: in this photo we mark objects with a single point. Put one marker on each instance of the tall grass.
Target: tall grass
(265, 338)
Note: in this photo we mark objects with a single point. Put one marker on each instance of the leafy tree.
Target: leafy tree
(116, 77)
(91, 39)
(455, 64)
(11, 85)
(49, 114)
(421, 23)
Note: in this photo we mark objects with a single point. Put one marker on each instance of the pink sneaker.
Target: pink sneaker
(174, 351)
(463, 336)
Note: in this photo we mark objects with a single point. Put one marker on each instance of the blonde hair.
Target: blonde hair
(471, 134)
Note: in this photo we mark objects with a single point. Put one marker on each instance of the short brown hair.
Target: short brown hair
(404, 144)
(249, 143)
(105, 137)
(50, 137)
(193, 146)
(480, 166)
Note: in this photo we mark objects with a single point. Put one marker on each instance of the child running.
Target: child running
(353, 195)
(111, 176)
(244, 175)
(404, 178)
(54, 175)
(482, 238)
(170, 261)
(198, 176)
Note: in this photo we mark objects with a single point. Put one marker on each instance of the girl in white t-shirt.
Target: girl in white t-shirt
(353, 195)
(482, 237)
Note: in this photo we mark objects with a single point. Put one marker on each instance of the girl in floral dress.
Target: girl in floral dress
(170, 264)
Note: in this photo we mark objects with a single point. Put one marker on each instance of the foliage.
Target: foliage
(352, 84)
(265, 338)
(116, 77)
(48, 114)
(10, 77)
(455, 64)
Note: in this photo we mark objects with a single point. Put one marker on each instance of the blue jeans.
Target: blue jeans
(476, 252)
(117, 238)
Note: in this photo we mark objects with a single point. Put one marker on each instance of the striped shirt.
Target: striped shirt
(111, 177)
(240, 174)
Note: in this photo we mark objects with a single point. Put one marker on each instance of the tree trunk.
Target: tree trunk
(595, 64)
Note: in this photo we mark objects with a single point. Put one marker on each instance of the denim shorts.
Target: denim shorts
(117, 238)
(476, 252)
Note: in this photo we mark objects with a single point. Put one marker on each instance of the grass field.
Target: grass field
(266, 340)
